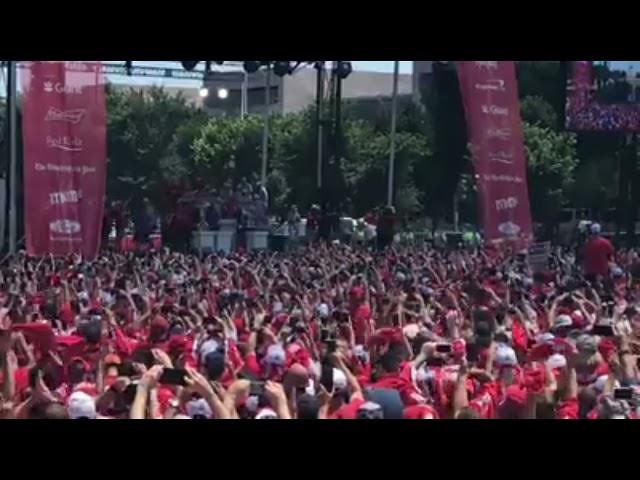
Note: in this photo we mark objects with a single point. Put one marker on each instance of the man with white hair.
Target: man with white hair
(598, 252)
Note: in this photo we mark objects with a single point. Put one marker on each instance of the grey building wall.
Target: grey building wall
(289, 94)
(299, 90)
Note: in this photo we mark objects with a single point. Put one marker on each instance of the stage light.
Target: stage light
(189, 65)
(251, 67)
(204, 92)
(282, 68)
(344, 69)
(223, 93)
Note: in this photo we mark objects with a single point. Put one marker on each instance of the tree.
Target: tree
(228, 148)
(366, 166)
(535, 110)
(552, 161)
(294, 157)
(546, 79)
(149, 136)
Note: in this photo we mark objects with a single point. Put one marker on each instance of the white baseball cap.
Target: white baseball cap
(557, 360)
(266, 414)
(339, 380)
(198, 409)
(563, 320)
(506, 356)
(276, 355)
(81, 405)
(208, 347)
(322, 310)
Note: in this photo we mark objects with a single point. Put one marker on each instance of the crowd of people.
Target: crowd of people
(322, 332)
(585, 111)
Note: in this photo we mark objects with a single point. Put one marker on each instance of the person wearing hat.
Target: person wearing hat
(598, 252)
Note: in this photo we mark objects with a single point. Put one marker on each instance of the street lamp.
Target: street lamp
(189, 65)
(251, 66)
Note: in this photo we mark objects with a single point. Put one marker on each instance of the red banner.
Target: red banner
(490, 96)
(64, 129)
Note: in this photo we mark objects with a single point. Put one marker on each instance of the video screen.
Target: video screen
(603, 96)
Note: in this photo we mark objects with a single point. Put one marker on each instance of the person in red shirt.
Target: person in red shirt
(598, 252)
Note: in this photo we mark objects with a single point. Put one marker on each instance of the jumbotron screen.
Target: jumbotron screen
(603, 96)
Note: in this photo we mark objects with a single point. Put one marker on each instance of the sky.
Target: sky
(381, 66)
(626, 65)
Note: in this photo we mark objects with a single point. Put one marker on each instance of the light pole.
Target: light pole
(265, 131)
(392, 149)
(244, 98)
(319, 119)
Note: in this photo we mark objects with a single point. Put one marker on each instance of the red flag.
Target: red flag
(490, 96)
(64, 157)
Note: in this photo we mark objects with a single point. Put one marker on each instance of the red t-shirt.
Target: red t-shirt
(568, 410)
(596, 256)
(348, 411)
(361, 317)
(486, 402)
(420, 412)
(401, 382)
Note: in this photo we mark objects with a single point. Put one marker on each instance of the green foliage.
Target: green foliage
(149, 137)
(367, 162)
(542, 79)
(535, 110)
(229, 148)
(552, 161)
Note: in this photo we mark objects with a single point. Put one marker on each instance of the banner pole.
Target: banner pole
(394, 118)
(12, 139)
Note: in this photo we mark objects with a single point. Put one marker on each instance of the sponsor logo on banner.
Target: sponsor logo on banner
(496, 85)
(60, 198)
(76, 66)
(52, 167)
(501, 157)
(509, 229)
(495, 110)
(490, 65)
(502, 178)
(65, 227)
(58, 87)
(500, 133)
(70, 116)
(68, 144)
(506, 203)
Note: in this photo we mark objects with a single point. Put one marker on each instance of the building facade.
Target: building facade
(292, 93)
